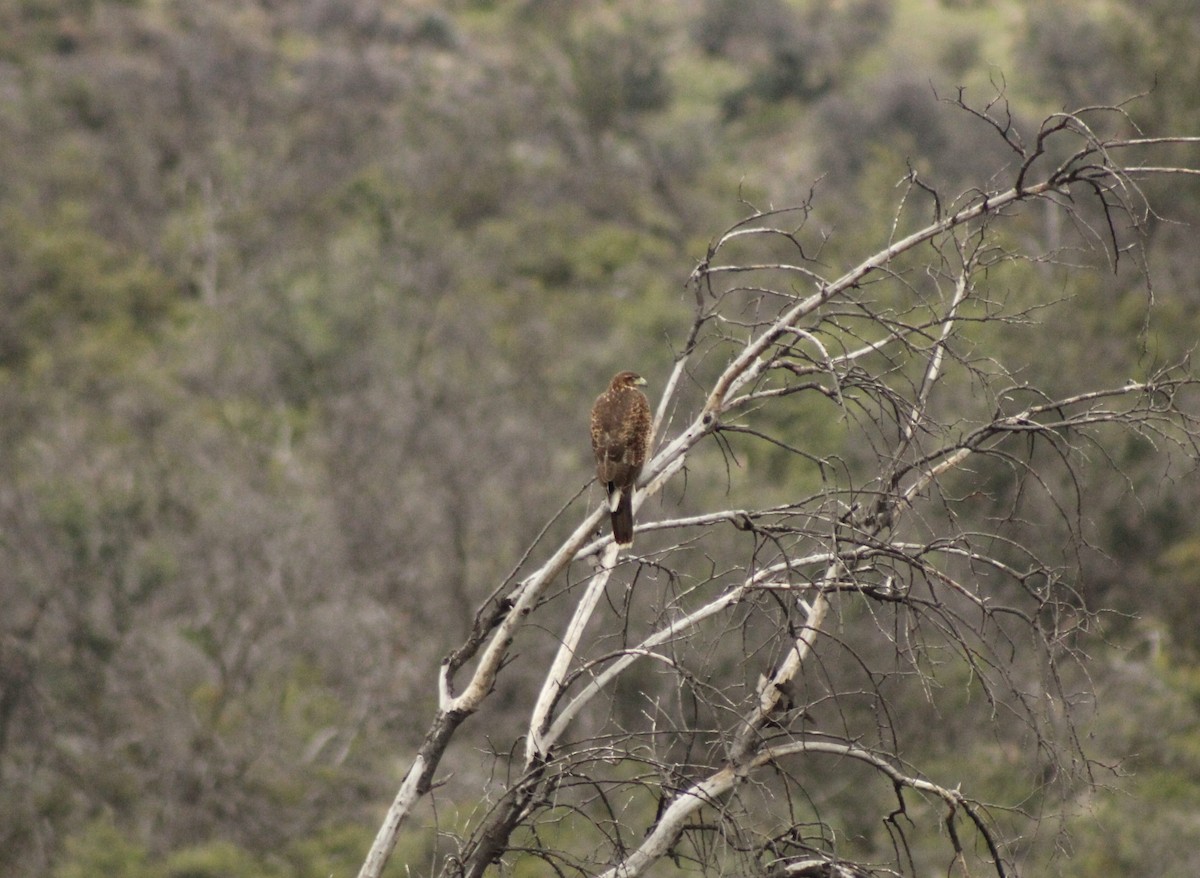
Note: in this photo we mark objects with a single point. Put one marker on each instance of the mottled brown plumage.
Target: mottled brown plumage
(620, 434)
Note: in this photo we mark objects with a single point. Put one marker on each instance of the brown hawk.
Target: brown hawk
(620, 435)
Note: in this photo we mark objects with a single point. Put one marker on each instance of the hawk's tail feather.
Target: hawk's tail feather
(622, 518)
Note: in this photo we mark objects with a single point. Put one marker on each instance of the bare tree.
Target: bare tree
(909, 582)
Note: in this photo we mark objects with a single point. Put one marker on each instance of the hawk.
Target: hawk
(620, 435)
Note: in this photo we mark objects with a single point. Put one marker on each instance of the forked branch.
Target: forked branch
(880, 366)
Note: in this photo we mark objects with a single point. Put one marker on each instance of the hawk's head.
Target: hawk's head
(627, 379)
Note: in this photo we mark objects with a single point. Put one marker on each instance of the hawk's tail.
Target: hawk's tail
(622, 518)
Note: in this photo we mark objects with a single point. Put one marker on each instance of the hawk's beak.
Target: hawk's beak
(641, 382)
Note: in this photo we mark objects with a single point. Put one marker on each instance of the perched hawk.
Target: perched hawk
(620, 434)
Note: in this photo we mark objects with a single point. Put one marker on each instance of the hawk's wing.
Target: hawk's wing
(620, 436)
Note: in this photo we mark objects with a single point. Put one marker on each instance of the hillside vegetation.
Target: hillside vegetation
(302, 308)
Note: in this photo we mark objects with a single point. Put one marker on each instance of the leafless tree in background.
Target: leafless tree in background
(741, 672)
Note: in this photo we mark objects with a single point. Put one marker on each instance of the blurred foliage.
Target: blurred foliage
(101, 848)
(299, 305)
